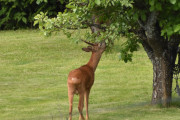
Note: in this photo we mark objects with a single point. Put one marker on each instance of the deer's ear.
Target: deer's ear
(88, 49)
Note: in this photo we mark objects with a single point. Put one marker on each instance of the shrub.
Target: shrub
(16, 14)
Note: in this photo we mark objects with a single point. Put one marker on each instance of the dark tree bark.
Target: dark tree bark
(162, 81)
(163, 62)
(162, 53)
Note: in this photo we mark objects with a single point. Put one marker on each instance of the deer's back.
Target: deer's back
(82, 76)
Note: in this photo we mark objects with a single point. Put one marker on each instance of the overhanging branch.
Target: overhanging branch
(150, 27)
(95, 25)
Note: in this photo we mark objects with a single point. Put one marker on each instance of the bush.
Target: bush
(16, 14)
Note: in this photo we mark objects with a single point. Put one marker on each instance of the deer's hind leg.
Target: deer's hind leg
(81, 105)
(71, 89)
(87, 99)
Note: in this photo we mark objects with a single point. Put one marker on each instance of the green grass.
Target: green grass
(33, 76)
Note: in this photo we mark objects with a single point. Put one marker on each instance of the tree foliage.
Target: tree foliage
(20, 13)
(118, 18)
(169, 17)
(79, 14)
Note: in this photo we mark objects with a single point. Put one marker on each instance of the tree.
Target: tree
(153, 23)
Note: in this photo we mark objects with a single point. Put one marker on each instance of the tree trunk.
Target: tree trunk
(163, 64)
(162, 81)
(162, 53)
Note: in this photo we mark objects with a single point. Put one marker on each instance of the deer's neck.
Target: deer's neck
(94, 60)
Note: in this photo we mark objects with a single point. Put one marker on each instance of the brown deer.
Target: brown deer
(81, 79)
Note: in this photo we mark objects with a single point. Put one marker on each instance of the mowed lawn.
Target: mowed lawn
(33, 81)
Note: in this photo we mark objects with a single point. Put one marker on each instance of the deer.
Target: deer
(80, 80)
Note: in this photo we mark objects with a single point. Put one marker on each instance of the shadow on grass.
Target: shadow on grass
(175, 102)
(129, 111)
(97, 113)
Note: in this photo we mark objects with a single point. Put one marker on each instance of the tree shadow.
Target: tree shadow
(175, 102)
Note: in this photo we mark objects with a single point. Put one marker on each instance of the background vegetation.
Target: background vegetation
(16, 14)
(33, 81)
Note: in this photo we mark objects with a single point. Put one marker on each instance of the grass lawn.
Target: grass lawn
(33, 81)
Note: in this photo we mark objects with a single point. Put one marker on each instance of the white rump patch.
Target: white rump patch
(75, 79)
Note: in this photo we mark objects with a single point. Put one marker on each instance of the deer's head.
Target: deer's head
(95, 47)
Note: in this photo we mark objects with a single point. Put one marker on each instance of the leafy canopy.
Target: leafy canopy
(118, 18)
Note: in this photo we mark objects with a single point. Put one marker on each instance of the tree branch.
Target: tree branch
(151, 25)
(153, 33)
(148, 50)
(95, 25)
(141, 24)
(141, 34)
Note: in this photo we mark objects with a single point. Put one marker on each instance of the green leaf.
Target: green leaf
(169, 31)
(69, 6)
(162, 32)
(143, 16)
(172, 1)
(61, 1)
(158, 6)
(35, 23)
(135, 16)
(151, 2)
(98, 2)
(38, 2)
(152, 8)
(24, 20)
(177, 28)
